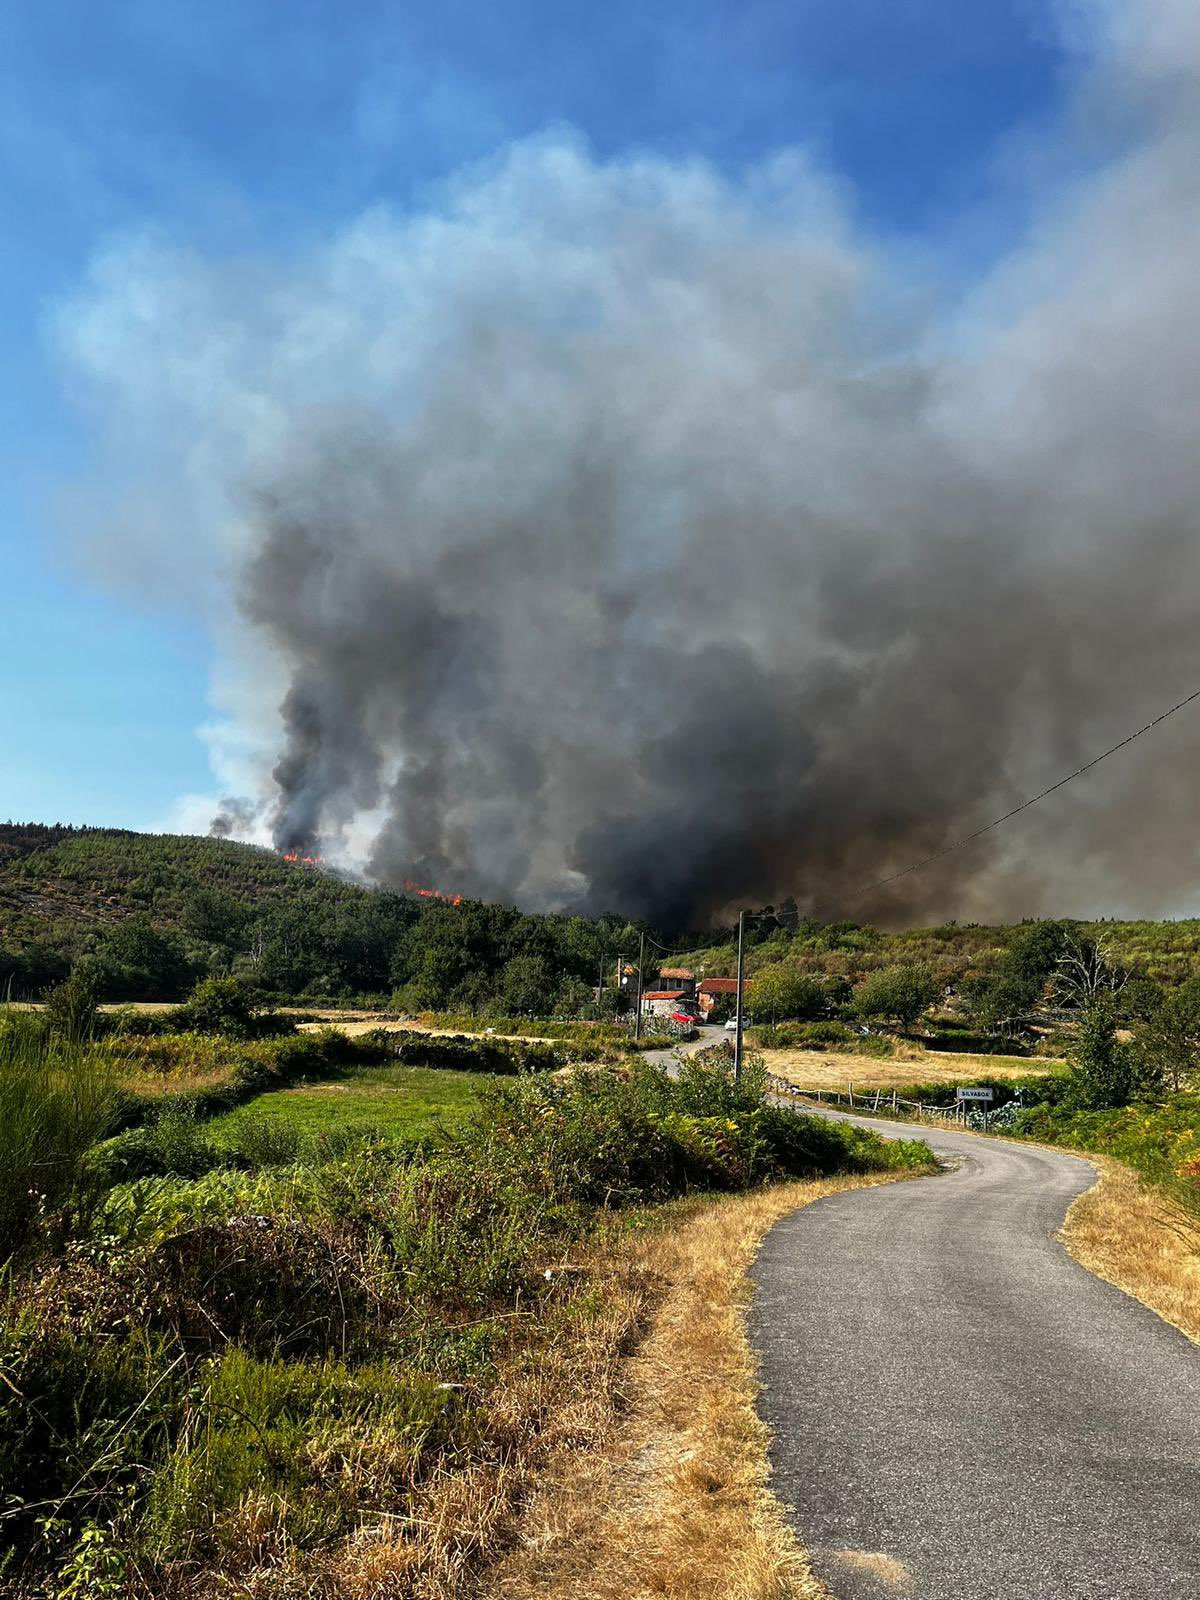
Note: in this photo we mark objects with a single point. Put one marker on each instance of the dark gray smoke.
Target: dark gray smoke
(235, 818)
(633, 537)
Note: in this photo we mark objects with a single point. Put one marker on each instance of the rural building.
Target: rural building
(662, 1002)
(678, 978)
(713, 990)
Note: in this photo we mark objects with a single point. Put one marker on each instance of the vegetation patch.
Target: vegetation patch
(1161, 1140)
(406, 1105)
(335, 1366)
(828, 1035)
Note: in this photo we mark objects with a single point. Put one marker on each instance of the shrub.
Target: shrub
(1161, 1141)
(269, 1354)
(227, 1006)
(827, 1035)
(79, 1414)
(469, 1052)
(812, 1147)
(258, 1142)
(71, 1007)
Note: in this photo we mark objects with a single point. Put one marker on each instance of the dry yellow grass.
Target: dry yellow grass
(1132, 1236)
(635, 1464)
(353, 1029)
(673, 1500)
(833, 1069)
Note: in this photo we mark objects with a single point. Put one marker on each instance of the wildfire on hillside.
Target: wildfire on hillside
(432, 894)
(304, 861)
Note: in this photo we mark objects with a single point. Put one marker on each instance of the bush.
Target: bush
(79, 1415)
(1161, 1141)
(469, 1052)
(71, 1007)
(987, 1044)
(269, 1354)
(820, 1036)
(813, 1147)
(258, 1142)
(230, 1007)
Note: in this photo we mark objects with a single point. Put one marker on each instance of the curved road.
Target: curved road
(960, 1411)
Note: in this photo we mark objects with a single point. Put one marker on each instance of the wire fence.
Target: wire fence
(877, 1101)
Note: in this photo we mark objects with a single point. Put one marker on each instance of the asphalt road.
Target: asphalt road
(709, 1033)
(960, 1411)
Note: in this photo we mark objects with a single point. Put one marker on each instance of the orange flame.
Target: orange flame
(432, 894)
(305, 861)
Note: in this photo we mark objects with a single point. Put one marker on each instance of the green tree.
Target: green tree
(72, 1006)
(1167, 1042)
(143, 963)
(526, 987)
(213, 916)
(575, 999)
(1033, 953)
(1105, 1070)
(782, 993)
(1141, 999)
(899, 994)
(1000, 1001)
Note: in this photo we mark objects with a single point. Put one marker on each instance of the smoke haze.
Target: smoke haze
(628, 535)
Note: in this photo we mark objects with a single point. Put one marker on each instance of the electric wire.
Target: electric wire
(1025, 804)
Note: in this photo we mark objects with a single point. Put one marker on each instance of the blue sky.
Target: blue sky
(234, 123)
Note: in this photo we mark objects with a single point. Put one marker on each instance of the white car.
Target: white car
(731, 1025)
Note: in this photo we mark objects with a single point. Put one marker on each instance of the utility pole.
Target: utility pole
(741, 976)
(637, 1025)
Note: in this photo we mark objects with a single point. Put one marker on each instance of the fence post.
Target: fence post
(850, 1089)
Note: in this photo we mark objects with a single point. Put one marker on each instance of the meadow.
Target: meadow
(401, 1105)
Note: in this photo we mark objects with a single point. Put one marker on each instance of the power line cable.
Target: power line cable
(1025, 804)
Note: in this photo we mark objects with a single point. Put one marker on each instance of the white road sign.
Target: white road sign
(975, 1094)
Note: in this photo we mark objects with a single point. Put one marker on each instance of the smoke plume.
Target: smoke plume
(628, 535)
(235, 818)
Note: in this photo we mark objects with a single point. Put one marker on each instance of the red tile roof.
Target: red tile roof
(663, 994)
(675, 972)
(719, 986)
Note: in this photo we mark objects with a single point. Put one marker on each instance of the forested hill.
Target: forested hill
(158, 911)
(1168, 952)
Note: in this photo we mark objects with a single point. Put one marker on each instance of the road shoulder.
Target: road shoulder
(1125, 1232)
(674, 1497)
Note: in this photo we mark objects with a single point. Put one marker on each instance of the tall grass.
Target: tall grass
(56, 1100)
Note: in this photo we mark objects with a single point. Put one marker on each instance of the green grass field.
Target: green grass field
(403, 1104)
